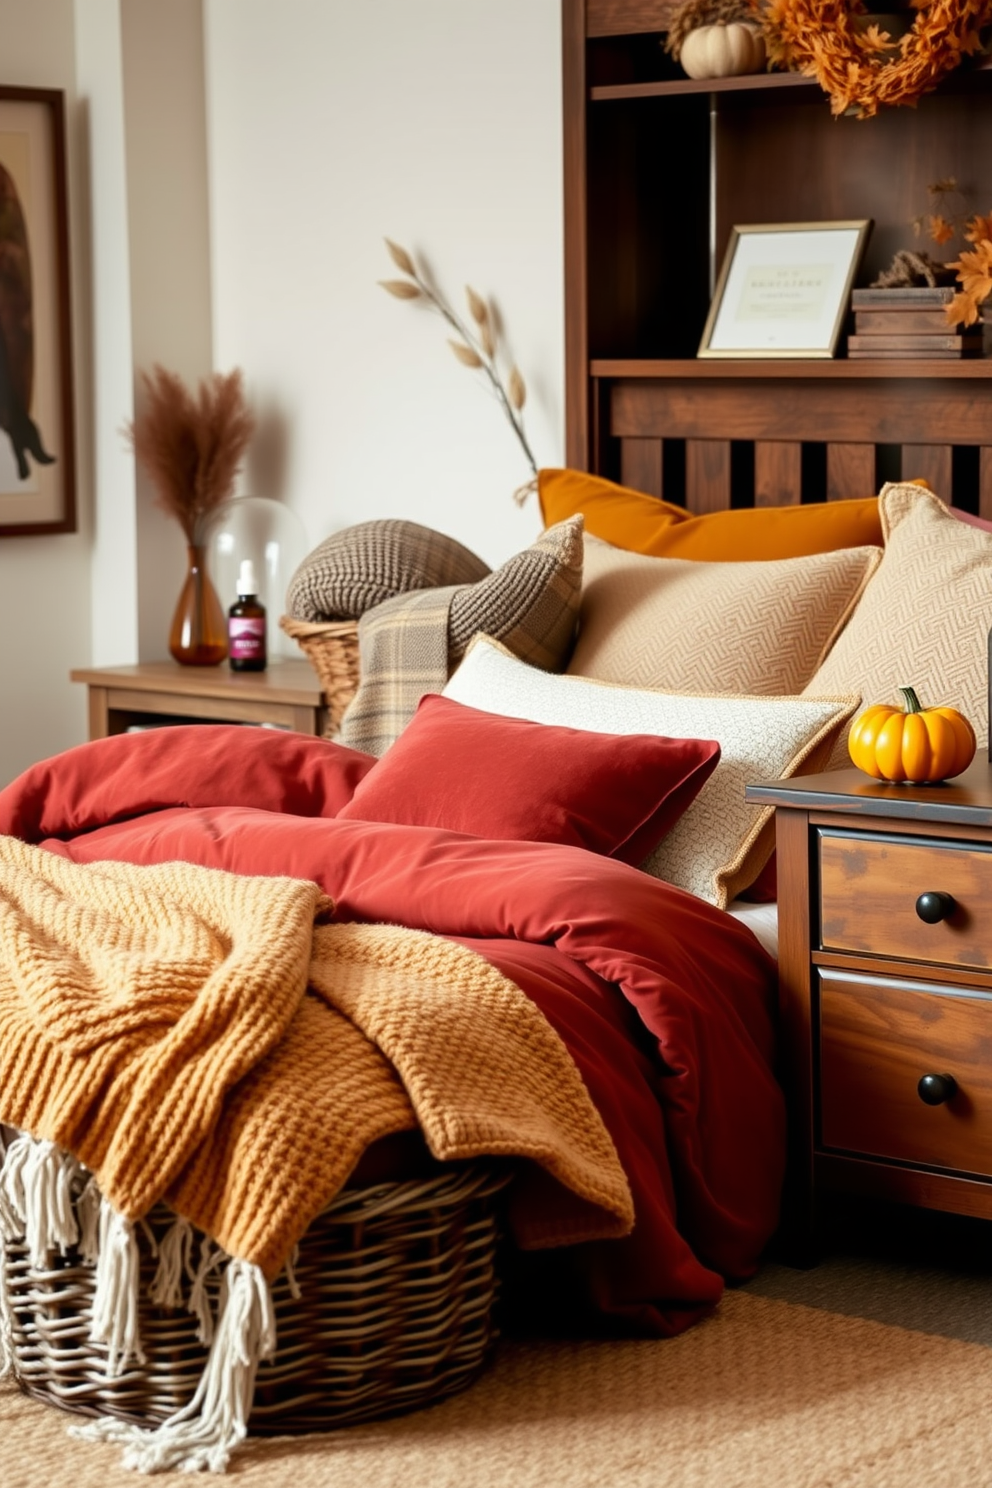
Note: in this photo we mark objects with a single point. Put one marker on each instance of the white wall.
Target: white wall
(44, 581)
(104, 392)
(436, 123)
(169, 255)
(231, 185)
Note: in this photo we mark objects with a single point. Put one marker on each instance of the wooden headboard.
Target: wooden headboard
(658, 168)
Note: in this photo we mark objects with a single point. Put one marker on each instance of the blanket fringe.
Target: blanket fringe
(204, 1433)
(174, 1262)
(36, 1198)
(37, 1181)
(6, 1316)
(52, 1202)
(211, 1257)
(88, 1216)
(115, 1295)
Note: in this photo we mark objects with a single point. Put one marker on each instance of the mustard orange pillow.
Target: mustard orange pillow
(643, 524)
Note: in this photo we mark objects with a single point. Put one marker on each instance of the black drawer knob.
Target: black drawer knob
(934, 1090)
(935, 906)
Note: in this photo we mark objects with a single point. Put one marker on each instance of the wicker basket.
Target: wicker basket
(331, 647)
(397, 1286)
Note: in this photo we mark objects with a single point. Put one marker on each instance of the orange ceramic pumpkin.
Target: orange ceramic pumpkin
(912, 744)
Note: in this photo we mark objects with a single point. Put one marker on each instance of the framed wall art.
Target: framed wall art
(37, 447)
(784, 289)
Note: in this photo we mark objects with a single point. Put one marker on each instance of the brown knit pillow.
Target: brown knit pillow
(531, 603)
(357, 569)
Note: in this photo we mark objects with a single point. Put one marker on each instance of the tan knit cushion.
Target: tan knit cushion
(923, 621)
(530, 603)
(354, 570)
(721, 843)
(758, 627)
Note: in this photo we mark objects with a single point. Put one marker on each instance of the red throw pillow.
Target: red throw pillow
(489, 776)
(213, 764)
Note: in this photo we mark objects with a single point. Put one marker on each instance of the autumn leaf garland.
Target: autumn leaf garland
(856, 65)
(475, 348)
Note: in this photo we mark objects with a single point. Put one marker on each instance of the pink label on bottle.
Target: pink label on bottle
(246, 635)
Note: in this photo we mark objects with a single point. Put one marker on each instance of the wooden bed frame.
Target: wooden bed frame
(658, 168)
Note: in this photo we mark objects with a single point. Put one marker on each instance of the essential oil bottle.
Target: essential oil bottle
(246, 624)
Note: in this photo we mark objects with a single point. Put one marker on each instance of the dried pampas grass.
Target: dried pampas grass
(192, 445)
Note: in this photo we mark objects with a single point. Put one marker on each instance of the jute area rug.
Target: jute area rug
(768, 1393)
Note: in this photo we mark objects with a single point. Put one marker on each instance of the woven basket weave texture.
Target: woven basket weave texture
(331, 647)
(396, 1308)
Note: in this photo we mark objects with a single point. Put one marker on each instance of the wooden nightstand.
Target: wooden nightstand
(885, 967)
(286, 693)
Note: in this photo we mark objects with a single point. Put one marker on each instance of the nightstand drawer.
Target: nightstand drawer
(878, 1037)
(870, 886)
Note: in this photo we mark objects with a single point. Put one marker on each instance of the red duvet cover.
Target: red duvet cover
(665, 1003)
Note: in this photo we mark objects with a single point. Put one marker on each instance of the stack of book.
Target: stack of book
(909, 323)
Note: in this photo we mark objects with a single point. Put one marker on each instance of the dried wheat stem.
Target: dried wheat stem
(483, 349)
(434, 298)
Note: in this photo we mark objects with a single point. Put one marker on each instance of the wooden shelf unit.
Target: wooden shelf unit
(658, 168)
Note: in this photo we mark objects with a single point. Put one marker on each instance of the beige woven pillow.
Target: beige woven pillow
(713, 627)
(720, 844)
(923, 621)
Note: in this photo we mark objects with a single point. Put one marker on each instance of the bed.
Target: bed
(579, 834)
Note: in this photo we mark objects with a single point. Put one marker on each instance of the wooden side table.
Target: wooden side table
(287, 693)
(885, 974)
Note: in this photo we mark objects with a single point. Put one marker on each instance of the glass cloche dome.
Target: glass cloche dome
(275, 540)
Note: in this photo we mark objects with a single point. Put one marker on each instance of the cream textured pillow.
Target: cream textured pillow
(721, 843)
(923, 621)
(713, 627)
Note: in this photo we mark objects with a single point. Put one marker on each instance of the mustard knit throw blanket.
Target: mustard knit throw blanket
(215, 1041)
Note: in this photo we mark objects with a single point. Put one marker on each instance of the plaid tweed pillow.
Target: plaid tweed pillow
(355, 570)
(531, 603)
(411, 643)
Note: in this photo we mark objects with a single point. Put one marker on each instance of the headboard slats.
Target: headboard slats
(985, 483)
(641, 467)
(931, 461)
(707, 475)
(710, 443)
(778, 472)
(850, 471)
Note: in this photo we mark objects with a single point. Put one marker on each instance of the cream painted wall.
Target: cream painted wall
(100, 248)
(45, 581)
(436, 123)
(169, 255)
(231, 181)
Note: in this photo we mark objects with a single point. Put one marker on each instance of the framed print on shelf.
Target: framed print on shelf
(37, 445)
(784, 289)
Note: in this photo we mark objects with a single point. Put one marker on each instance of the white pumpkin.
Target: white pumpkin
(723, 50)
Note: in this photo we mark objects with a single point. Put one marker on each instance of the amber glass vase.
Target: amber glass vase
(199, 628)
